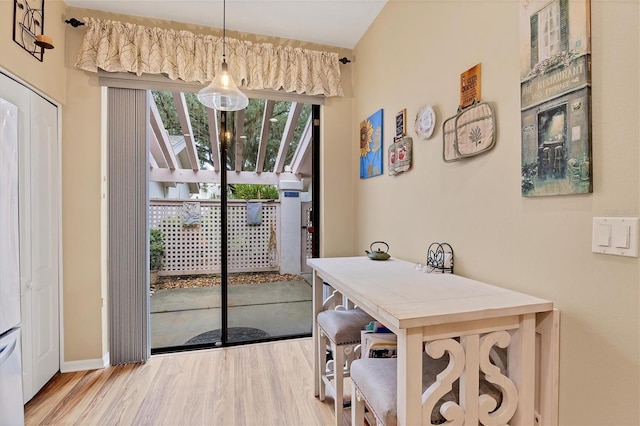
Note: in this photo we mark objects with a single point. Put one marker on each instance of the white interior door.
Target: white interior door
(43, 219)
(39, 233)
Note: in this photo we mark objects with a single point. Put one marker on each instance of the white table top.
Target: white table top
(403, 297)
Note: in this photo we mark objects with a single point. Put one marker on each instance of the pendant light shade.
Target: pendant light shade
(222, 93)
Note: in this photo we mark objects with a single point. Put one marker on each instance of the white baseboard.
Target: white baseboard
(85, 364)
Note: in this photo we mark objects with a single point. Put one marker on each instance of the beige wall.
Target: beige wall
(412, 55)
(337, 200)
(85, 314)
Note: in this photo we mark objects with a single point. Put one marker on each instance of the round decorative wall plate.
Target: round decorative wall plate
(425, 122)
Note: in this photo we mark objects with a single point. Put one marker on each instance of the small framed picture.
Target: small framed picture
(401, 120)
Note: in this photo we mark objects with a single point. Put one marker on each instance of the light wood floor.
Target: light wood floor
(263, 384)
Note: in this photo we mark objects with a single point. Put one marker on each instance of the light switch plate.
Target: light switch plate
(615, 232)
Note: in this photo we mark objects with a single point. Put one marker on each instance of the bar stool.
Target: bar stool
(374, 382)
(340, 329)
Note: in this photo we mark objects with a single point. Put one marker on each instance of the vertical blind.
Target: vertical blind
(128, 230)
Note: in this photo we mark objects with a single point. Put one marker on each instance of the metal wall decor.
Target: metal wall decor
(28, 27)
(439, 258)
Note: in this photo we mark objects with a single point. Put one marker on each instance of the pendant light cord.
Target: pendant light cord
(224, 29)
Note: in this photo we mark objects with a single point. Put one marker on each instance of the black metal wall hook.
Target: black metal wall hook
(344, 60)
(74, 22)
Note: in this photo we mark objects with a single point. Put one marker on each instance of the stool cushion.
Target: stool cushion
(343, 327)
(376, 378)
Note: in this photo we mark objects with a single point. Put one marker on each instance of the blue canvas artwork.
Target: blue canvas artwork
(371, 146)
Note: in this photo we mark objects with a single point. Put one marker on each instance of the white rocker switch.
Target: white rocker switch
(621, 235)
(603, 235)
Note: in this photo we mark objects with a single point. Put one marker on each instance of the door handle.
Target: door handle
(7, 350)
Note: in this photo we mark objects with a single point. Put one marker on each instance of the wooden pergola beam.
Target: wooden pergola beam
(211, 176)
(264, 135)
(303, 150)
(156, 151)
(162, 136)
(156, 157)
(187, 130)
(287, 135)
(152, 162)
(164, 164)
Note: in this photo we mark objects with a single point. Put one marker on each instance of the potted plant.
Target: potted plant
(156, 254)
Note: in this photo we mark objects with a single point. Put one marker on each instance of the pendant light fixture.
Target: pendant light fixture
(222, 93)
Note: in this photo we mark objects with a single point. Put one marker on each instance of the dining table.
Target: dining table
(440, 313)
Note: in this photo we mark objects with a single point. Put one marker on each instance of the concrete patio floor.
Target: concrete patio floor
(278, 308)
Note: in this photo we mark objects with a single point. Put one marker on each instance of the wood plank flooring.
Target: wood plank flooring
(262, 384)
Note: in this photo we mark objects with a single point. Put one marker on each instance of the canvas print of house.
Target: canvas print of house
(555, 83)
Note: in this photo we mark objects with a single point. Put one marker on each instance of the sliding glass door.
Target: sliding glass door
(268, 295)
(185, 218)
(232, 201)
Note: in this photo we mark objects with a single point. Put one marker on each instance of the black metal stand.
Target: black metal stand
(440, 258)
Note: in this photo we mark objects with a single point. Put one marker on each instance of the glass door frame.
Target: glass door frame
(224, 138)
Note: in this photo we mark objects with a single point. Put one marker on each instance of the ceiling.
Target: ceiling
(339, 23)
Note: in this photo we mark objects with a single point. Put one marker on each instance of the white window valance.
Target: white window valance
(122, 47)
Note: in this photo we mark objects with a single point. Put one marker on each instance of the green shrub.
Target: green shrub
(156, 249)
(244, 191)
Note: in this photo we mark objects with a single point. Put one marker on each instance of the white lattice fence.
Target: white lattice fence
(196, 249)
